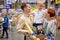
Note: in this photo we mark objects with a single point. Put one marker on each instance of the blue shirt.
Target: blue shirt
(6, 22)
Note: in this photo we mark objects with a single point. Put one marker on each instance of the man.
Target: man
(38, 15)
(25, 17)
(5, 25)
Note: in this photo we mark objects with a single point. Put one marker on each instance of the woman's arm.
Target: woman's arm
(53, 28)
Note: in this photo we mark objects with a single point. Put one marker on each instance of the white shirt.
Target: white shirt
(51, 25)
(38, 16)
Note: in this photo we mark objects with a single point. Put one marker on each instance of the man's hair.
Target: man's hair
(23, 6)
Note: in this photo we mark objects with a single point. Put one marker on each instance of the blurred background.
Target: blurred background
(12, 7)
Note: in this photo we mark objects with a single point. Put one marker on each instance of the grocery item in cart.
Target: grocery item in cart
(34, 37)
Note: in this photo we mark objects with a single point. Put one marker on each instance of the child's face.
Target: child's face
(39, 6)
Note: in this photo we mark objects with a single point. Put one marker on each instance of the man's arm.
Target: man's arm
(20, 26)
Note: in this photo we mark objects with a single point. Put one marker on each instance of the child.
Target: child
(40, 29)
(38, 15)
(50, 23)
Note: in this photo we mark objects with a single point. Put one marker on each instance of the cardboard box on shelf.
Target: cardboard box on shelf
(58, 21)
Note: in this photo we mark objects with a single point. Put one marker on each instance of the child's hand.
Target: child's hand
(40, 27)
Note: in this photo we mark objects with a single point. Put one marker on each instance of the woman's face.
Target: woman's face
(27, 8)
(46, 15)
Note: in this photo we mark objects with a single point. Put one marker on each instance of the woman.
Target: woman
(50, 23)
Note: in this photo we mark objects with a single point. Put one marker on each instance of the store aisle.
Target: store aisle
(13, 35)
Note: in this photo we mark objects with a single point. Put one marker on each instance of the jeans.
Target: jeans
(24, 37)
(5, 30)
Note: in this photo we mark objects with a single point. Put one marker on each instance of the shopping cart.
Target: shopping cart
(41, 37)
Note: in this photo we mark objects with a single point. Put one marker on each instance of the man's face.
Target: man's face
(5, 14)
(27, 8)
